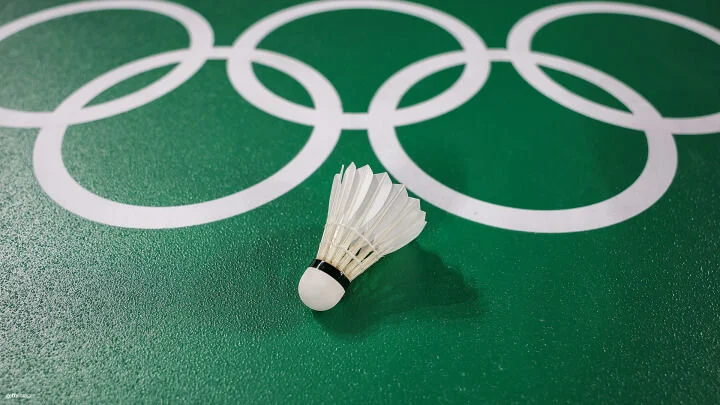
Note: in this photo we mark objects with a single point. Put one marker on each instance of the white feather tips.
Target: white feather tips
(368, 217)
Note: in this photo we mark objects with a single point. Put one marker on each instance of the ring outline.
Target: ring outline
(520, 40)
(201, 41)
(656, 177)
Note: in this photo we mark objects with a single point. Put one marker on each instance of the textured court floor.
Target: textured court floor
(165, 169)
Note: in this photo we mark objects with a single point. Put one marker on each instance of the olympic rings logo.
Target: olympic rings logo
(328, 118)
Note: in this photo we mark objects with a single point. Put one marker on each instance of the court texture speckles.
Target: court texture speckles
(165, 169)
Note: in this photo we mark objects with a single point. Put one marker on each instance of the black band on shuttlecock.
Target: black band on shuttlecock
(331, 271)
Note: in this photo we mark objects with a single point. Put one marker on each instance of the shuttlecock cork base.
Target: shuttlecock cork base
(322, 286)
(368, 217)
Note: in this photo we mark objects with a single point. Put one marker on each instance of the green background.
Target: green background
(467, 313)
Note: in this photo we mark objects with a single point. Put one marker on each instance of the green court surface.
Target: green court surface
(165, 169)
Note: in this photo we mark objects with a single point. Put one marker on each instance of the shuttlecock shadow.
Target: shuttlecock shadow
(410, 283)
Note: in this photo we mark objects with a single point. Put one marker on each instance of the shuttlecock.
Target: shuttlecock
(368, 217)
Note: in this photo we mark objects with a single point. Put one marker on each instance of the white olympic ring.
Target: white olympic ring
(201, 42)
(471, 80)
(54, 178)
(521, 36)
(328, 118)
(643, 193)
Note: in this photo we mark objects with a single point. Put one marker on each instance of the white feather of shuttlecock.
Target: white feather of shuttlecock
(368, 218)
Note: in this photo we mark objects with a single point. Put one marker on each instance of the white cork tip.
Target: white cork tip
(318, 291)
